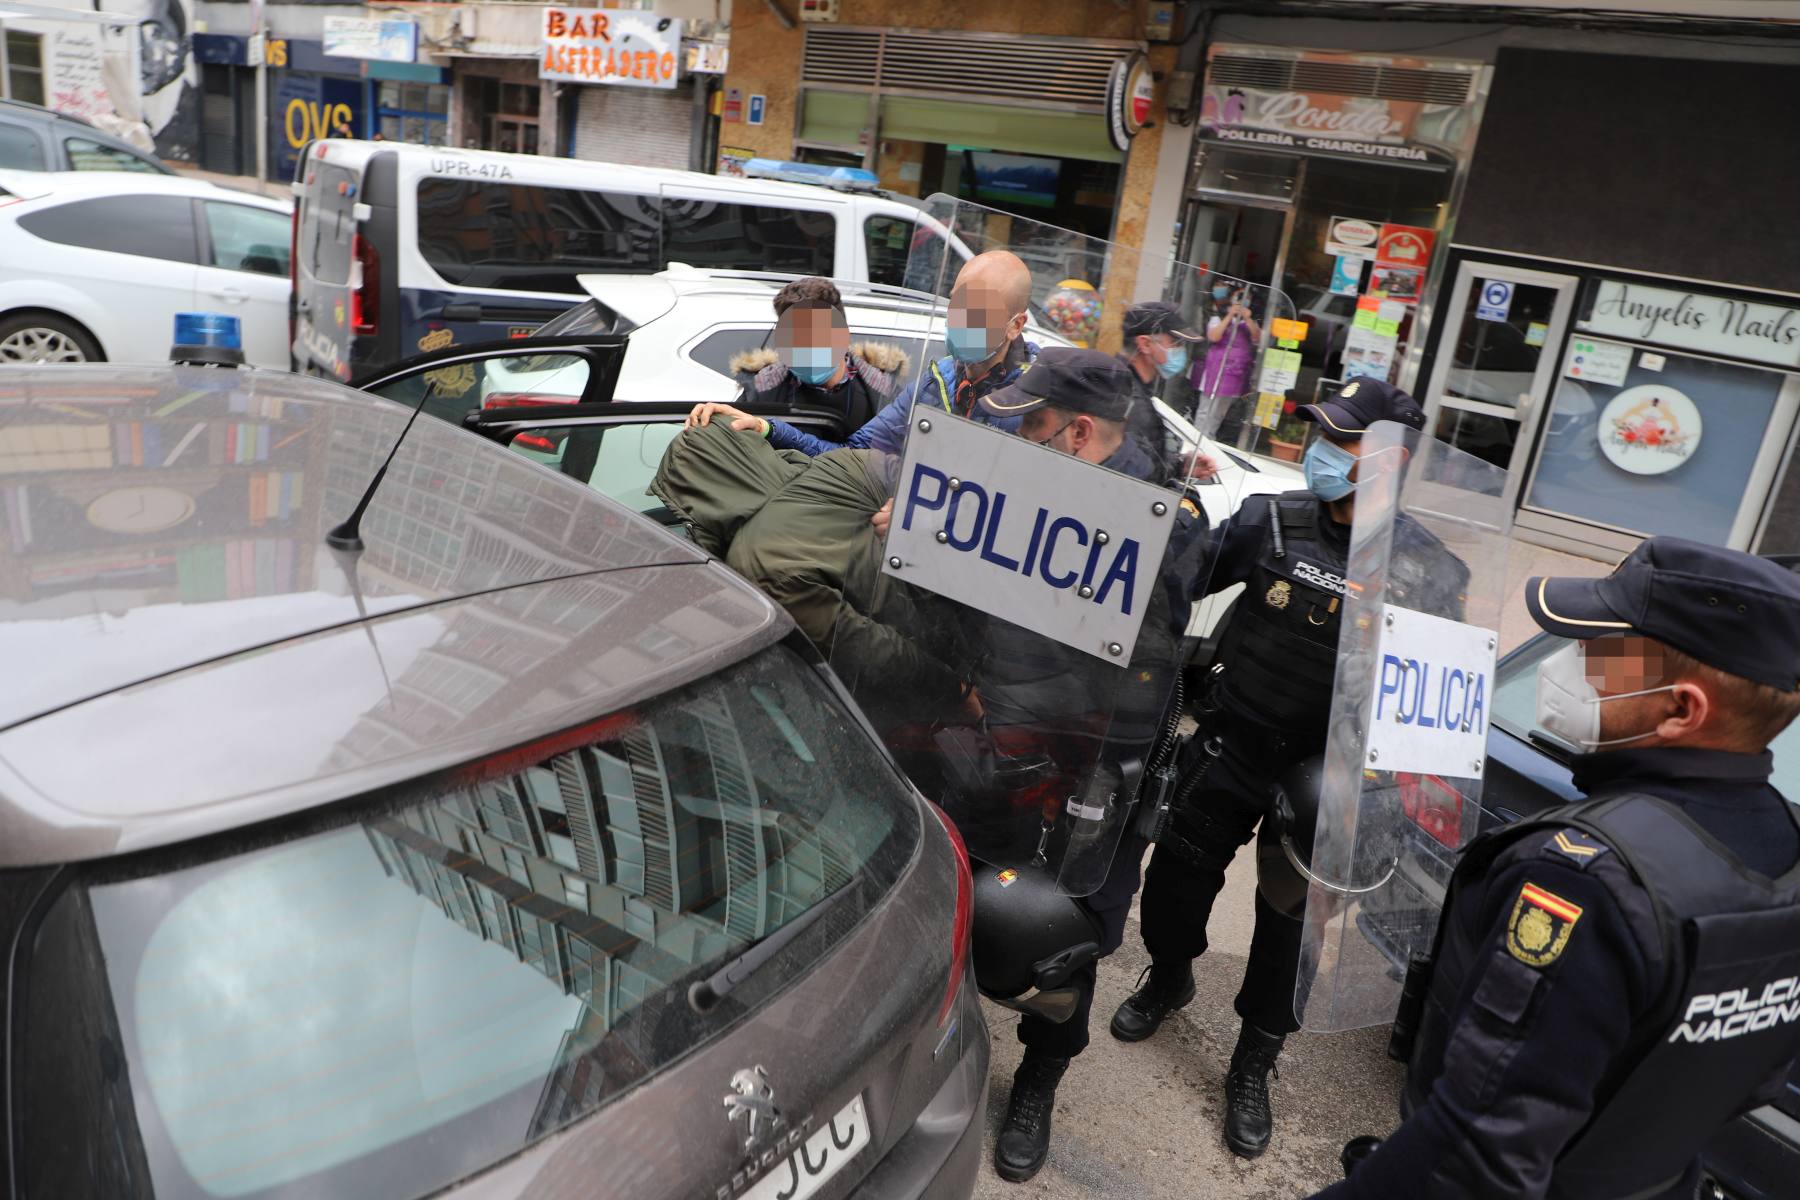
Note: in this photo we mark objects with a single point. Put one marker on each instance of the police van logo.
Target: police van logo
(1279, 594)
(1540, 926)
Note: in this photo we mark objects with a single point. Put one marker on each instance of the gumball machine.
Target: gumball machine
(1073, 310)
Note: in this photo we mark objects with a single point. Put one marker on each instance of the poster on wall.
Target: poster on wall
(1351, 235)
(1346, 274)
(1595, 361)
(610, 46)
(1404, 246)
(1400, 284)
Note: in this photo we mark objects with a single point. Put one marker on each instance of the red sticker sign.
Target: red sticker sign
(1404, 246)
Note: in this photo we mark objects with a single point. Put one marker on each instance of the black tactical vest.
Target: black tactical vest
(1729, 1013)
(1280, 651)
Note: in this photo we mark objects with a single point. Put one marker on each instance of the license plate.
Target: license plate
(825, 1153)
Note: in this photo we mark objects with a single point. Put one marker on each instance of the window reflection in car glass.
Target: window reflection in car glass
(387, 1006)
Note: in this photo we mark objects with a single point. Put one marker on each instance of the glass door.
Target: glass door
(1496, 362)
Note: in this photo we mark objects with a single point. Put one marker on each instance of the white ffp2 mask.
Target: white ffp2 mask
(1568, 706)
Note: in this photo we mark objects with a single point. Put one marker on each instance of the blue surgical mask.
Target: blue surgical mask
(969, 344)
(1174, 364)
(1327, 467)
(812, 364)
(1219, 293)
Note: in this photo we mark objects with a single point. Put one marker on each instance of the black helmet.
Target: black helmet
(1028, 939)
(1285, 844)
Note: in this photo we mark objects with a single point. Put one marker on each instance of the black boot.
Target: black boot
(1024, 1139)
(1248, 1121)
(1171, 986)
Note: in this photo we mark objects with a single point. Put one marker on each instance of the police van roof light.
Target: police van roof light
(208, 339)
(851, 179)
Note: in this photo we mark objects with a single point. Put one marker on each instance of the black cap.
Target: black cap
(1358, 405)
(1731, 610)
(1154, 317)
(1077, 381)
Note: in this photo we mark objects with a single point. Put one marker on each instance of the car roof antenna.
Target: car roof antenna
(348, 536)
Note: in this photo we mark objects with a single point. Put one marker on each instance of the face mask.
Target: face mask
(1568, 706)
(812, 364)
(1174, 364)
(968, 345)
(1327, 469)
(1219, 293)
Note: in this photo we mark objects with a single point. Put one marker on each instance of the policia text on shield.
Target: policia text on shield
(1266, 704)
(1613, 983)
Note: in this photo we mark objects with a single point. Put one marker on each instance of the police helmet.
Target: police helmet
(1284, 845)
(1029, 939)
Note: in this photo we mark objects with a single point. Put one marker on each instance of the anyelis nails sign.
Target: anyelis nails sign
(1764, 333)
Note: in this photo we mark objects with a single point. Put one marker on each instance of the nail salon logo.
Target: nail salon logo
(1650, 429)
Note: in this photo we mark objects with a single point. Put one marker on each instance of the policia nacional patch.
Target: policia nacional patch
(1540, 926)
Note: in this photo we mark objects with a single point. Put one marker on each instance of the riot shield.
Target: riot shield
(1046, 582)
(1407, 748)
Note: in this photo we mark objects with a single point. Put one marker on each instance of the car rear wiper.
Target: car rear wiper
(705, 994)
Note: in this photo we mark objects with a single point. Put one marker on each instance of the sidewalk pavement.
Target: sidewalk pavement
(243, 183)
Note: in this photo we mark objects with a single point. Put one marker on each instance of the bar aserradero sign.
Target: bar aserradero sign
(633, 49)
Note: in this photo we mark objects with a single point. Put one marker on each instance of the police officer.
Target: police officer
(1615, 981)
(1157, 345)
(1077, 402)
(1267, 703)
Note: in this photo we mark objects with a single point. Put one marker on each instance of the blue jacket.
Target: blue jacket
(938, 386)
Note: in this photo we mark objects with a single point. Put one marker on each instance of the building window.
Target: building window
(510, 116)
(414, 112)
(575, 889)
(25, 66)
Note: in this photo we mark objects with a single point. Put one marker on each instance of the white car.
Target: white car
(95, 265)
(625, 367)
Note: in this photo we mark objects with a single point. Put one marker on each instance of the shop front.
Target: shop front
(1015, 122)
(1624, 340)
(1329, 178)
(633, 103)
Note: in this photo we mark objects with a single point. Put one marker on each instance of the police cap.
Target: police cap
(1077, 381)
(1360, 403)
(1732, 611)
(1157, 316)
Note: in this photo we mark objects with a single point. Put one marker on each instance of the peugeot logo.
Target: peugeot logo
(752, 1100)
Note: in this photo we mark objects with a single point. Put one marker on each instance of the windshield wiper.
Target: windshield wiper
(705, 995)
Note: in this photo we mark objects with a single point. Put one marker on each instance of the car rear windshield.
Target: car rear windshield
(484, 234)
(384, 1002)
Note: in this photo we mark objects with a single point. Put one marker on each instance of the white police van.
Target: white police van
(401, 248)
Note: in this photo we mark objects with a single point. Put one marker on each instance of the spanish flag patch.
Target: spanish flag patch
(1540, 926)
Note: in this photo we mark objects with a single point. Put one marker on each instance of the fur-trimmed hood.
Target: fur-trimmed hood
(875, 363)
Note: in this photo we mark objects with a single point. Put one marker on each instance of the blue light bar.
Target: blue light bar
(853, 179)
(211, 339)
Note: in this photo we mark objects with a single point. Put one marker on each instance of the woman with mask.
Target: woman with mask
(812, 363)
(1232, 335)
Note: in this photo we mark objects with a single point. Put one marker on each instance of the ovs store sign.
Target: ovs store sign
(1062, 547)
(309, 107)
(633, 49)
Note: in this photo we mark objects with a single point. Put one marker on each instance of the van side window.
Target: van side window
(889, 240)
(532, 238)
(749, 237)
(20, 148)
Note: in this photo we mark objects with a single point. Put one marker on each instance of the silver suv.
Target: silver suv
(523, 850)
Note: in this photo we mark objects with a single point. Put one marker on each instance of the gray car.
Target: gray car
(523, 852)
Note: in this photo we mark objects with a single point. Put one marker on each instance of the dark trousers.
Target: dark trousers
(1111, 904)
(1187, 872)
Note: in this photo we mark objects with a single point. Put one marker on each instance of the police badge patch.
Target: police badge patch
(1540, 926)
(1279, 593)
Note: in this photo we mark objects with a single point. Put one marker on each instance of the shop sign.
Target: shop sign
(734, 106)
(1594, 361)
(1129, 91)
(1495, 300)
(371, 38)
(1404, 246)
(1350, 235)
(1763, 333)
(1649, 429)
(705, 58)
(308, 107)
(1327, 123)
(632, 49)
